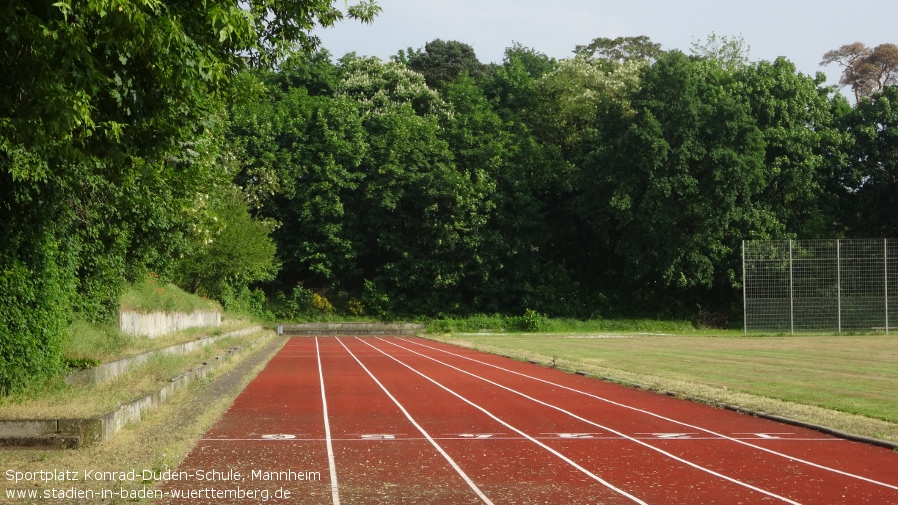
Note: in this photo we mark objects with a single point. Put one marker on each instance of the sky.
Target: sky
(800, 30)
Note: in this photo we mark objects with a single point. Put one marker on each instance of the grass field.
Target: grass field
(844, 382)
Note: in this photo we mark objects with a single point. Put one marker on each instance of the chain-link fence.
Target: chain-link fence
(820, 285)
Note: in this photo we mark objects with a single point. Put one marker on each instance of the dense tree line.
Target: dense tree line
(623, 178)
(213, 145)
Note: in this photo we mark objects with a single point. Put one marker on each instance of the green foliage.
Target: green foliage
(530, 321)
(246, 301)
(376, 302)
(868, 189)
(303, 304)
(231, 250)
(441, 62)
(622, 49)
(36, 293)
(111, 120)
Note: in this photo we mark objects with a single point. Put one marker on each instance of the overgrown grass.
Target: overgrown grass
(843, 374)
(149, 295)
(61, 400)
(90, 344)
(533, 321)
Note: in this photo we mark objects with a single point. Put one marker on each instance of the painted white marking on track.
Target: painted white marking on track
(278, 436)
(671, 436)
(433, 442)
(379, 436)
(512, 428)
(606, 428)
(335, 488)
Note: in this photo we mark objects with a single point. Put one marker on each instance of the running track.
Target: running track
(408, 420)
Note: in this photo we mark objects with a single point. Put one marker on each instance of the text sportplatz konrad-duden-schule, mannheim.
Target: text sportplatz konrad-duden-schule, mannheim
(209, 484)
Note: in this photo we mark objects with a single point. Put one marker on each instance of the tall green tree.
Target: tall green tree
(416, 215)
(670, 187)
(442, 61)
(108, 115)
(868, 183)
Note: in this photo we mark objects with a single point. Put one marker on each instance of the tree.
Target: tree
(868, 184)
(299, 156)
(621, 49)
(804, 147)
(425, 211)
(730, 53)
(442, 61)
(670, 186)
(865, 70)
(705, 157)
(571, 94)
(232, 251)
(110, 116)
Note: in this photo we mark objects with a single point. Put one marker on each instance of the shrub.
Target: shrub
(530, 321)
(33, 316)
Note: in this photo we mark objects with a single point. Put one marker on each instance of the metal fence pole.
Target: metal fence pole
(791, 294)
(839, 283)
(744, 297)
(885, 269)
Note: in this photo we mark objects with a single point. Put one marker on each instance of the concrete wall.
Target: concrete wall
(350, 329)
(160, 323)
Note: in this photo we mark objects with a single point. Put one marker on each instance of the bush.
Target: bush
(251, 302)
(376, 302)
(33, 317)
(303, 304)
(530, 321)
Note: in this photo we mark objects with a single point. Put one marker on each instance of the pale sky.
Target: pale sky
(801, 30)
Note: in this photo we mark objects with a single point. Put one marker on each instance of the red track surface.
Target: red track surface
(406, 420)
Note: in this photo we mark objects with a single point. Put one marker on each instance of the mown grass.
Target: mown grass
(855, 375)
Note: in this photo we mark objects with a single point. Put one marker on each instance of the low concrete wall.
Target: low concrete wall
(160, 323)
(349, 329)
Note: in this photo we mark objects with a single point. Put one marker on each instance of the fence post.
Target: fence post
(885, 269)
(839, 283)
(791, 294)
(744, 297)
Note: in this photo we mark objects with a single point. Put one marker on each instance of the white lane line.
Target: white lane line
(335, 488)
(659, 416)
(512, 428)
(606, 428)
(430, 439)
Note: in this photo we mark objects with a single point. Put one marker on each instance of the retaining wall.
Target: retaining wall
(160, 323)
(73, 433)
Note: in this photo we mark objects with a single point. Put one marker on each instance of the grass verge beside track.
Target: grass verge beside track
(848, 383)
